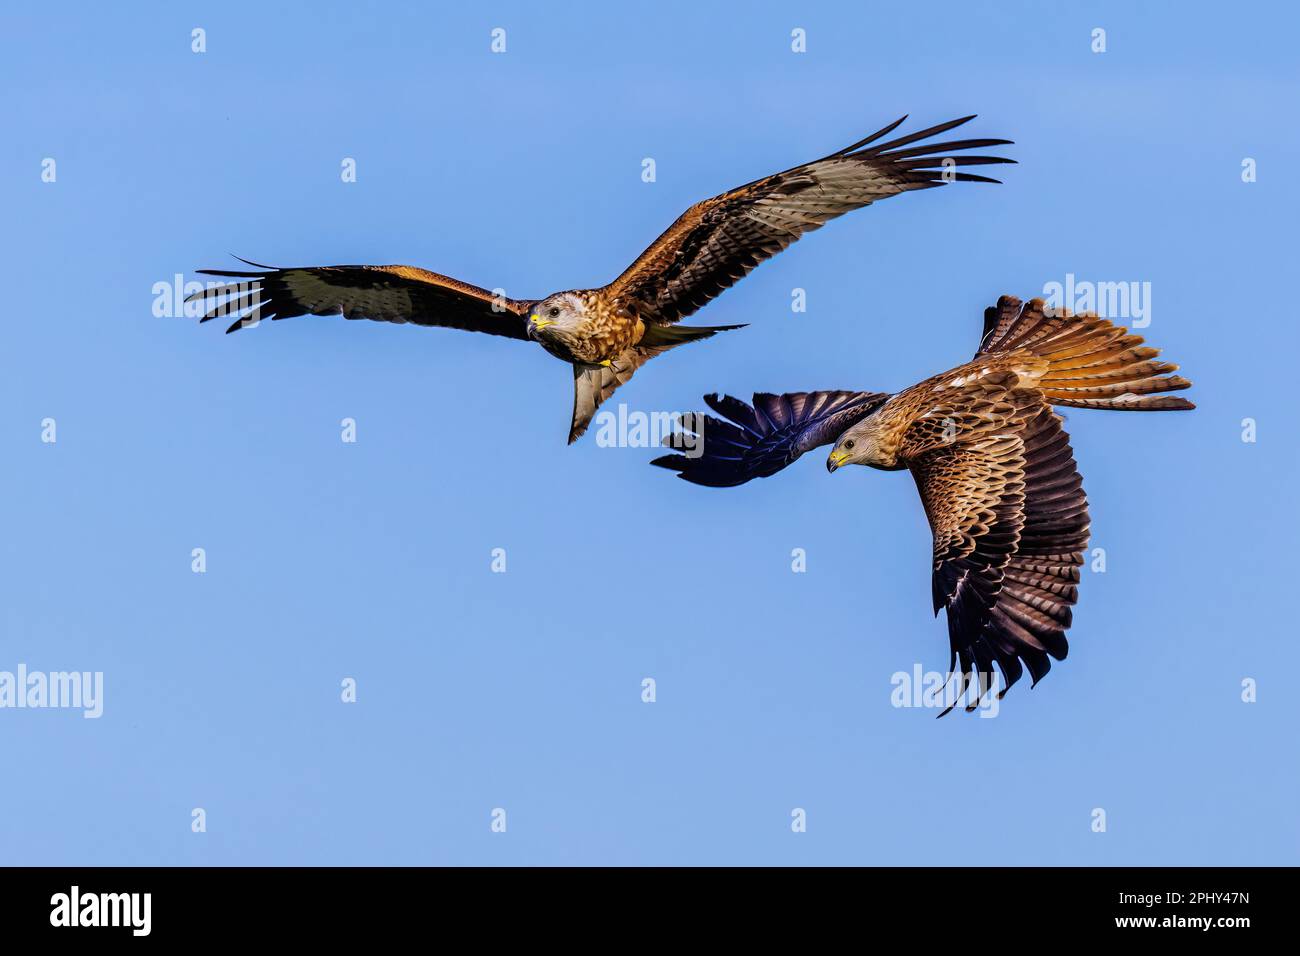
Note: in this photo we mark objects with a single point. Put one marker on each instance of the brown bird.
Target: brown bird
(992, 464)
(610, 332)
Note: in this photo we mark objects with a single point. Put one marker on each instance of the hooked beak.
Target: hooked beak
(836, 459)
(536, 323)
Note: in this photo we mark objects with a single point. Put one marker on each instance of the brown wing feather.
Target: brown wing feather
(381, 293)
(1090, 362)
(718, 241)
(1010, 523)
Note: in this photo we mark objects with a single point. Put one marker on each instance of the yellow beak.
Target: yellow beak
(540, 323)
(836, 459)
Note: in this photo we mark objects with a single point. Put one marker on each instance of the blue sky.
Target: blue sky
(522, 690)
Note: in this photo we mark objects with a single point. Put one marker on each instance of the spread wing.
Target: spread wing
(382, 293)
(717, 242)
(759, 440)
(1010, 523)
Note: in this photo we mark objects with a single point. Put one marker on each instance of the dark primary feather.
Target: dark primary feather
(759, 440)
(381, 293)
(1010, 523)
(720, 240)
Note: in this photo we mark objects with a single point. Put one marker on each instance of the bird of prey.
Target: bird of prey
(607, 333)
(991, 461)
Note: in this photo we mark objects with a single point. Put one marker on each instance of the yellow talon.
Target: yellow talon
(605, 364)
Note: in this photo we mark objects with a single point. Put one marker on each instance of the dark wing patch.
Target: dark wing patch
(717, 242)
(755, 441)
(1010, 523)
(381, 293)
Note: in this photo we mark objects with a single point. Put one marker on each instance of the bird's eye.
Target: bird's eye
(849, 443)
(554, 312)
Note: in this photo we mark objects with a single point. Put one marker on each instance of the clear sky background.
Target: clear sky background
(522, 690)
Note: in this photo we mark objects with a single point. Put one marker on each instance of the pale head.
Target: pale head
(557, 315)
(862, 445)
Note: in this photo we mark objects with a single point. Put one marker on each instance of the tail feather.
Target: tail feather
(593, 384)
(667, 336)
(1091, 362)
